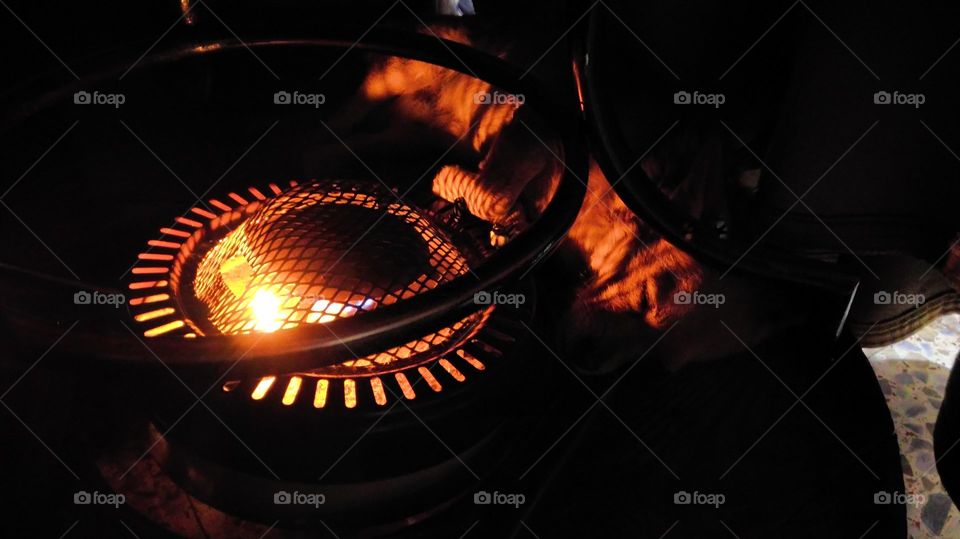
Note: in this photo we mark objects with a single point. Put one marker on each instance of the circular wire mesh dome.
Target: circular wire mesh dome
(320, 251)
(310, 254)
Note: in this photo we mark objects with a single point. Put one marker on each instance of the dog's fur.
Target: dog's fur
(633, 273)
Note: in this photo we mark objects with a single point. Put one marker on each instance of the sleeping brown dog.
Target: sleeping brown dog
(627, 298)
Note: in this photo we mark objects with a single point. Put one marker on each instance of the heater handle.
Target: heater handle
(42, 316)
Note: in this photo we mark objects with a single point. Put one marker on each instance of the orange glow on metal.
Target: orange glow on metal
(149, 299)
(428, 377)
(154, 256)
(161, 243)
(175, 232)
(204, 213)
(350, 393)
(221, 205)
(160, 330)
(447, 366)
(140, 285)
(266, 311)
(290, 395)
(320, 397)
(208, 47)
(150, 315)
(238, 199)
(149, 270)
(469, 358)
(405, 386)
(185, 8)
(578, 80)
(379, 395)
(250, 284)
(189, 222)
(263, 386)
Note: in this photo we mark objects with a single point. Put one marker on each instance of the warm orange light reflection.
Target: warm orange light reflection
(379, 395)
(405, 386)
(469, 358)
(454, 372)
(320, 397)
(350, 393)
(430, 379)
(160, 330)
(275, 269)
(290, 395)
(150, 315)
(266, 311)
(262, 387)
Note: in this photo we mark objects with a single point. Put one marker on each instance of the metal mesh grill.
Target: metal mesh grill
(324, 250)
(320, 252)
(307, 254)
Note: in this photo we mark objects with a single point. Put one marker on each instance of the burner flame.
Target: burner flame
(265, 307)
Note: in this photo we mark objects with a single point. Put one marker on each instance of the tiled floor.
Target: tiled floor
(913, 374)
